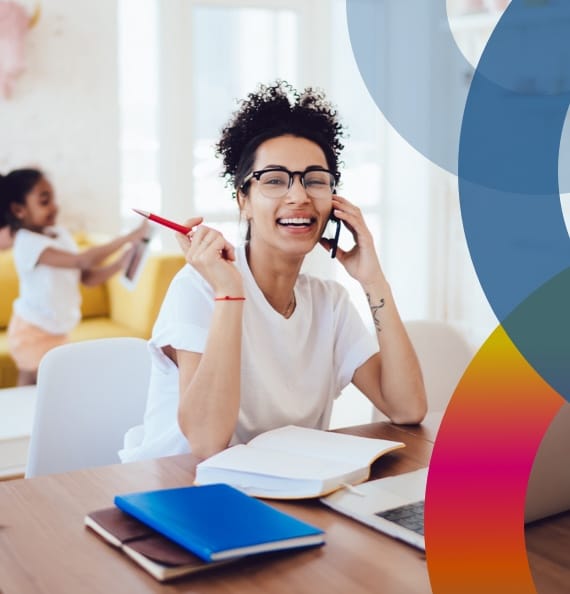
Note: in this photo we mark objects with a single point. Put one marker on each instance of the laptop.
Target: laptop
(394, 505)
(548, 491)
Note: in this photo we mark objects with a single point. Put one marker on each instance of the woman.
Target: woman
(245, 343)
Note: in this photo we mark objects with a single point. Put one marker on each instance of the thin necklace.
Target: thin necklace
(290, 307)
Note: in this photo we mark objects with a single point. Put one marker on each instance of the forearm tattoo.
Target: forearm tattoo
(375, 309)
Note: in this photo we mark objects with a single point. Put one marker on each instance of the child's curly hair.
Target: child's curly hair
(274, 110)
(14, 187)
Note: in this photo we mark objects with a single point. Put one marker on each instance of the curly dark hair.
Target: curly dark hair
(274, 110)
(14, 187)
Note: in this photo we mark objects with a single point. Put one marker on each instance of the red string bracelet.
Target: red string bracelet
(228, 298)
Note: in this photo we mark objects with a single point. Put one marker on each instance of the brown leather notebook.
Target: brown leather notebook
(158, 555)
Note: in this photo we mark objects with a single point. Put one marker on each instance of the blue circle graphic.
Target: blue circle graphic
(502, 137)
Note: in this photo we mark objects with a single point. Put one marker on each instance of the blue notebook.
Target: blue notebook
(218, 522)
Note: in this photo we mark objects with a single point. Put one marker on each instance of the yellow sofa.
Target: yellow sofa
(107, 310)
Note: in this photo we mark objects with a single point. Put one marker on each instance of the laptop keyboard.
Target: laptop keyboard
(410, 516)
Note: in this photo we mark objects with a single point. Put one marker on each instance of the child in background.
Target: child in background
(49, 268)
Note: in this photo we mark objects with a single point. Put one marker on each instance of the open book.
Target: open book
(162, 558)
(295, 462)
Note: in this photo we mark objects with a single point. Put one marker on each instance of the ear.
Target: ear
(18, 210)
(244, 204)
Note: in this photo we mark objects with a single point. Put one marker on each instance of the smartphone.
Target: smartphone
(335, 235)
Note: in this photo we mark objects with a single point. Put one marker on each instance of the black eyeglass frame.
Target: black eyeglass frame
(257, 174)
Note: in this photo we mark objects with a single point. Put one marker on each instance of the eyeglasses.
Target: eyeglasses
(275, 182)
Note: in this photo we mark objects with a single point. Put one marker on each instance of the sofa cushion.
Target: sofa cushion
(139, 308)
(94, 301)
(8, 371)
(9, 284)
(102, 327)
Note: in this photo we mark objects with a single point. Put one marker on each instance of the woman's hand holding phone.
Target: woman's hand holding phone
(361, 261)
(331, 243)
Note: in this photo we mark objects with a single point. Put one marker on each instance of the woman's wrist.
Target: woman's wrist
(233, 291)
(229, 298)
(379, 286)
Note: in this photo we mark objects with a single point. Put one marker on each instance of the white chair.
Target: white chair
(88, 394)
(443, 354)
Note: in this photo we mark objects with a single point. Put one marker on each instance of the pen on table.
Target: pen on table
(162, 221)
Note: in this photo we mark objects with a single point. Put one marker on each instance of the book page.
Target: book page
(259, 461)
(300, 441)
(275, 474)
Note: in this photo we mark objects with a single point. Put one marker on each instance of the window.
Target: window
(249, 45)
(210, 55)
(138, 105)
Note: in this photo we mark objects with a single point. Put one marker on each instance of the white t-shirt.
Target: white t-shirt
(291, 369)
(49, 296)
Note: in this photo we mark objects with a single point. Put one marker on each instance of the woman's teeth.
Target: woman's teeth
(296, 222)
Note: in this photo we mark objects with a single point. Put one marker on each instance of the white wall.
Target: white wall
(63, 114)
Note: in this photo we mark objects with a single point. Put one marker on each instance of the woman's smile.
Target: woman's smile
(297, 225)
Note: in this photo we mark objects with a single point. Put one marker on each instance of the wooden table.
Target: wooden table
(44, 547)
(427, 430)
(548, 550)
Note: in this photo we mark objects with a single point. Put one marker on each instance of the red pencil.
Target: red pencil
(162, 221)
